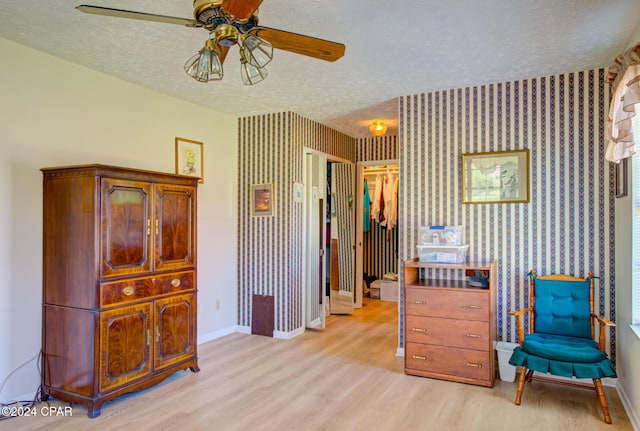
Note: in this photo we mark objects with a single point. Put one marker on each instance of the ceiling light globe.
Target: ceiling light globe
(378, 128)
(250, 74)
(258, 52)
(205, 66)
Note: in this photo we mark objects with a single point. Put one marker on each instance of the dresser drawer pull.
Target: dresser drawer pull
(419, 329)
(474, 336)
(418, 302)
(422, 358)
(475, 307)
(473, 364)
(128, 291)
(175, 282)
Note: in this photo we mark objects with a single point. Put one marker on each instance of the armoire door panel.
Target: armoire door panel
(173, 227)
(174, 329)
(126, 227)
(125, 339)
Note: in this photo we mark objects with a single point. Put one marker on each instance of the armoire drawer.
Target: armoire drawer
(119, 292)
(467, 334)
(436, 302)
(451, 361)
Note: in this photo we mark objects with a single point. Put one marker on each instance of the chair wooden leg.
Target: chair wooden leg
(523, 377)
(603, 400)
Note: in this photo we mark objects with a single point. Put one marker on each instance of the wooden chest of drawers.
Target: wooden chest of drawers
(449, 326)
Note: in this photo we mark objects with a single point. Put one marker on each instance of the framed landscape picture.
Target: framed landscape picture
(495, 177)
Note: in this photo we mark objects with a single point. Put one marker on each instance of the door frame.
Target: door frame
(325, 158)
(360, 221)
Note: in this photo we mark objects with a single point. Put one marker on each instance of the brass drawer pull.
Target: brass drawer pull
(419, 329)
(475, 307)
(418, 302)
(148, 227)
(148, 337)
(128, 291)
(175, 282)
(422, 358)
(474, 336)
(157, 334)
(473, 364)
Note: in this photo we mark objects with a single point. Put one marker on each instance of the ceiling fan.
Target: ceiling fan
(233, 22)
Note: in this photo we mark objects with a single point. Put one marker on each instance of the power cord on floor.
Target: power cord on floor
(21, 407)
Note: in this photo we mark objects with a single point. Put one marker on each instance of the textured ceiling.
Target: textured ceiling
(393, 48)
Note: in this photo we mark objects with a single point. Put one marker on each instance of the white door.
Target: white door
(314, 203)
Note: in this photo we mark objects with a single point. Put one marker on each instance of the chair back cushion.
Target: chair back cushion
(562, 307)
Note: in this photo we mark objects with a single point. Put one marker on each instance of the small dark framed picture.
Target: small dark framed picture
(261, 200)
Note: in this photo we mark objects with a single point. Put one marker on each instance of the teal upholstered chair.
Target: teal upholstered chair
(561, 335)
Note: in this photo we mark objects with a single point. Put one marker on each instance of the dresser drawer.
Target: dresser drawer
(447, 361)
(460, 304)
(118, 292)
(468, 334)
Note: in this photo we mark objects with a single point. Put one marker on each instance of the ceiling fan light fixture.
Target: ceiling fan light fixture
(258, 52)
(251, 74)
(205, 66)
(378, 128)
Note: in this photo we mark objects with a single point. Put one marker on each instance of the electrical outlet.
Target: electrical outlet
(217, 304)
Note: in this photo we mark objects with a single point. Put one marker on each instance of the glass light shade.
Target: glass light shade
(258, 52)
(250, 74)
(378, 128)
(205, 66)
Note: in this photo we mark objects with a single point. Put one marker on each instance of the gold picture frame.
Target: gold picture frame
(496, 177)
(262, 200)
(190, 158)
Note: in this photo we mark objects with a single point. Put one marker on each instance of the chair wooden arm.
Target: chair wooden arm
(519, 315)
(603, 323)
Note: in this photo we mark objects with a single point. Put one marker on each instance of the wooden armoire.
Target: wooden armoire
(119, 281)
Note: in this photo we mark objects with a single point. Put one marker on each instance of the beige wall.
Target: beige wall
(53, 113)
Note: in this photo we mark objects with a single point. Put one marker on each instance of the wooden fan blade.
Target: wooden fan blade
(300, 44)
(241, 9)
(119, 13)
(222, 52)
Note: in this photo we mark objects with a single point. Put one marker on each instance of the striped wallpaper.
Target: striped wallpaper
(568, 225)
(371, 149)
(271, 150)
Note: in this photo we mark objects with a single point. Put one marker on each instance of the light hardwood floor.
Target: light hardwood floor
(346, 377)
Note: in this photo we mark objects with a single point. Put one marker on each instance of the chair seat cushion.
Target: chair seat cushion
(562, 348)
(563, 356)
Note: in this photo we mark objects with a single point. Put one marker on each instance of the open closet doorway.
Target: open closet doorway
(377, 256)
(329, 238)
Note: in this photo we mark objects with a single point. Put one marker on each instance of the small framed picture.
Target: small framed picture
(261, 200)
(190, 158)
(621, 178)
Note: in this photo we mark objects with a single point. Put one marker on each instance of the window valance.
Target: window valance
(624, 76)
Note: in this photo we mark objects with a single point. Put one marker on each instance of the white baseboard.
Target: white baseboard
(276, 334)
(216, 334)
(288, 335)
(243, 329)
(628, 407)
